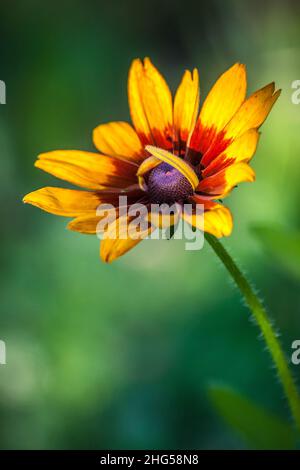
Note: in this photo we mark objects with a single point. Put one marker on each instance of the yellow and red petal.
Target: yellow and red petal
(222, 102)
(253, 111)
(186, 107)
(221, 183)
(67, 202)
(150, 103)
(217, 220)
(120, 140)
(241, 149)
(251, 114)
(87, 169)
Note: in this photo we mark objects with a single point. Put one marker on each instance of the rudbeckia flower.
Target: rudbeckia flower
(171, 153)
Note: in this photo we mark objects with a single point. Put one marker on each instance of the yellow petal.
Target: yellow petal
(241, 149)
(163, 220)
(88, 170)
(112, 248)
(66, 202)
(119, 139)
(87, 224)
(217, 220)
(175, 162)
(150, 103)
(222, 102)
(147, 165)
(186, 106)
(225, 97)
(225, 180)
(253, 111)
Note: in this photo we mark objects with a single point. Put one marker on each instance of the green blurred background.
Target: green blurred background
(120, 356)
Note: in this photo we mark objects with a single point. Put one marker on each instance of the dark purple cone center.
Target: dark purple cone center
(168, 185)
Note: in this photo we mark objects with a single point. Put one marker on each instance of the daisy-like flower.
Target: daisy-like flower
(171, 154)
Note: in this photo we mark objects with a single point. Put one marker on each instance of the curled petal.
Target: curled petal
(175, 162)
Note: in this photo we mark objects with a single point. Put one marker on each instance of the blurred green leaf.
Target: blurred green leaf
(282, 244)
(259, 428)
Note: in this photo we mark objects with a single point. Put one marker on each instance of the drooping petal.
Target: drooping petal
(108, 208)
(117, 241)
(88, 224)
(68, 202)
(241, 149)
(85, 224)
(221, 183)
(175, 162)
(186, 106)
(161, 218)
(217, 220)
(88, 170)
(145, 167)
(222, 102)
(150, 103)
(119, 139)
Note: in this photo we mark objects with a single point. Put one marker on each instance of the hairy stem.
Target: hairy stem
(265, 325)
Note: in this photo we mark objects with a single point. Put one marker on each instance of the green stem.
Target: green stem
(265, 325)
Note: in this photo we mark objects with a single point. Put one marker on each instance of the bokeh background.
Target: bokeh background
(123, 356)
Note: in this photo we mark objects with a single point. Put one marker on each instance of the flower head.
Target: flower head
(171, 154)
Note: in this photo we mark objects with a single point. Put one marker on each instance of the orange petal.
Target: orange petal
(150, 103)
(186, 106)
(241, 149)
(67, 202)
(217, 220)
(221, 183)
(86, 169)
(119, 139)
(222, 102)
